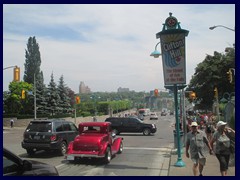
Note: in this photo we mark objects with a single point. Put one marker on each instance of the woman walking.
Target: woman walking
(222, 150)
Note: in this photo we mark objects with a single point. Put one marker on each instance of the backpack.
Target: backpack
(209, 128)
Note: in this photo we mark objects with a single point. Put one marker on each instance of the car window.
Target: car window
(39, 127)
(135, 120)
(66, 127)
(91, 129)
(73, 127)
(9, 166)
(58, 126)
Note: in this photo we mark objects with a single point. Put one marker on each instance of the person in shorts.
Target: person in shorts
(222, 138)
(196, 141)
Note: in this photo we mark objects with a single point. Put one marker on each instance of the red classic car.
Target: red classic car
(95, 140)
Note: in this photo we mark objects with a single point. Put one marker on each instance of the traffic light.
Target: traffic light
(156, 92)
(229, 75)
(77, 99)
(23, 94)
(215, 92)
(192, 95)
(16, 74)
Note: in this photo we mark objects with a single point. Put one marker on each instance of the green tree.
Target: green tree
(32, 70)
(13, 99)
(32, 61)
(64, 101)
(52, 97)
(211, 73)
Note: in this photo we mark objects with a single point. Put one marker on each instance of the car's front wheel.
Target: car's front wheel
(146, 131)
(120, 150)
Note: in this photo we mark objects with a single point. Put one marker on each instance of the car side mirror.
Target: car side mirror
(27, 166)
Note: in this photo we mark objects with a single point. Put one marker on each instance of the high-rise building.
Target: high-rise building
(83, 89)
(123, 89)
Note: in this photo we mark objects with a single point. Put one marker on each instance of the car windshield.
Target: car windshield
(39, 127)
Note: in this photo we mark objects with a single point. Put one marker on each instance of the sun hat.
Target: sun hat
(194, 124)
(221, 123)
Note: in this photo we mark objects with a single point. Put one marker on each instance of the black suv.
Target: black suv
(130, 124)
(53, 134)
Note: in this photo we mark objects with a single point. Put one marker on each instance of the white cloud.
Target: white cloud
(108, 46)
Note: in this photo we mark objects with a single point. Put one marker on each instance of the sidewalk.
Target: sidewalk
(211, 168)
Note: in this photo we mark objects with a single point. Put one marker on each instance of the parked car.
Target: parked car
(131, 125)
(13, 165)
(141, 117)
(53, 134)
(163, 113)
(95, 140)
(153, 115)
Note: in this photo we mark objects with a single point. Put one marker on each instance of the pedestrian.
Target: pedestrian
(209, 130)
(223, 144)
(196, 141)
(11, 122)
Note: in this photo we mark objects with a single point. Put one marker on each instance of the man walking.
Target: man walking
(196, 140)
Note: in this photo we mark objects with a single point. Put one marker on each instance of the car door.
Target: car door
(131, 125)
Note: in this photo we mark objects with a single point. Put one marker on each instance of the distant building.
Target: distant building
(83, 89)
(123, 89)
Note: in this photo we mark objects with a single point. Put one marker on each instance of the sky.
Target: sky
(108, 46)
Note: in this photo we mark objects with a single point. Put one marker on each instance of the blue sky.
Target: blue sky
(108, 46)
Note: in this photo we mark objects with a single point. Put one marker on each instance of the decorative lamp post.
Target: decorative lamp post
(213, 27)
(172, 40)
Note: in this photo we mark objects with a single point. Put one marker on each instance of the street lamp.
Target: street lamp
(213, 27)
(156, 53)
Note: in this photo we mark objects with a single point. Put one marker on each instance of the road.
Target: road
(142, 155)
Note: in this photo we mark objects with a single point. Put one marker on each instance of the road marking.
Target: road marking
(146, 148)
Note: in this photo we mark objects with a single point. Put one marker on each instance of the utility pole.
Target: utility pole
(35, 103)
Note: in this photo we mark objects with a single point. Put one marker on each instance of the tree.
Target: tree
(64, 101)
(211, 73)
(13, 102)
(32, 69)
(52, 97)
(32, 61)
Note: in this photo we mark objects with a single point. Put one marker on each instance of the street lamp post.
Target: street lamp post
(172, 39)
(213, 27)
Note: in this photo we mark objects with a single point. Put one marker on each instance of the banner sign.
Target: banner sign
(173, 57)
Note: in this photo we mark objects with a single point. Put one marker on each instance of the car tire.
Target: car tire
(120, 150)
(108, 156)
(146, 132)
(30, 152)
(63, 148)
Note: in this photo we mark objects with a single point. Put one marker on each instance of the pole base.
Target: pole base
(180, 163)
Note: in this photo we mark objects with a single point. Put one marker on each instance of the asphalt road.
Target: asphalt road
(142, 155)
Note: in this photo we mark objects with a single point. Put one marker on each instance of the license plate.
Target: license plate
(71, 158)
(36, 137)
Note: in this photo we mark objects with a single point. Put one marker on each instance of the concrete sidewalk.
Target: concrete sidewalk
(212, 167)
